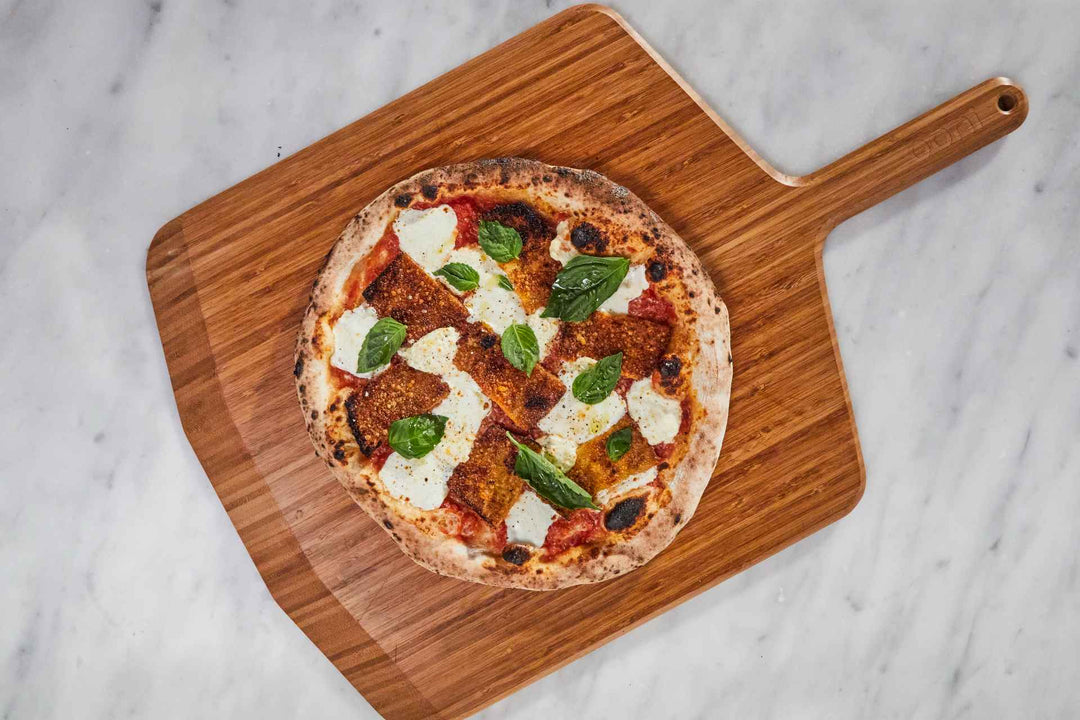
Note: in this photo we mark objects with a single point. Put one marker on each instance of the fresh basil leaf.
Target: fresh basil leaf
(502, 243)
(547, 480)
(380, 344)
(504, 283)
(596, 383)
(460, 275)
(416, 436)
(618, 443)
(583, 285)
(519, 346)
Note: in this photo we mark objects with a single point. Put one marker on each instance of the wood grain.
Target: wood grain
(229, 281)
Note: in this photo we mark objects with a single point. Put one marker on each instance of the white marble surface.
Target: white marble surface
(953, 589)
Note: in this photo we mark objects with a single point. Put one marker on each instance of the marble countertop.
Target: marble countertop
(951, 591)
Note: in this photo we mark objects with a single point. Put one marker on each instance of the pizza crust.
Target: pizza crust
(568, 190)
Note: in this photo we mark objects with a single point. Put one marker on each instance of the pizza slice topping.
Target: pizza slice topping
(595, 470)
(405, 292)
(642, 342)
(658, 416)
(400, 391)
(485, 483)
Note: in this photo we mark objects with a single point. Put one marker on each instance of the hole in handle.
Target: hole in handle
(1006, 102)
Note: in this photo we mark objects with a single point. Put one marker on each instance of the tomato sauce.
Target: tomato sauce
(379, 455)
(342, 379)
(467, 209)
(473, 530)
(582, 526)
(651, 306)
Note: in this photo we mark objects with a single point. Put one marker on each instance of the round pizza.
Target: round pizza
(518, 370)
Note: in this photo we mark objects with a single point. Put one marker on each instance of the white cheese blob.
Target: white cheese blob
(349, 333)
(529, 520)
(561, 249)
(575, 421)
(658, 417)
(545, 330)
(630, 288)
(559, 450)
(427, 236)
(496, 307)
(641, 479)
(422, 482)
(434, 352)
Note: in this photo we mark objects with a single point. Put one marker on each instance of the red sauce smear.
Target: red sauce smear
(581, 527)
(651, 306)
(370, 268)
(623, 385)
(473, 530)
(379, 455)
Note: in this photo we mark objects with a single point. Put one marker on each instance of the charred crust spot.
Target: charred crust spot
(624, 514)
(536, 402)
(670, 367)
(388, 525)
(586, 236)
(430, 192)
(303, 387)
(678, 518)
(656, 233)
(487, 341)
(547, 178)
(396, 537)
(339, 454)
(662, 466)
(716, 309)
(403, 200)
(521, 217)
(314, 414)
(692, 294)
(298, 367)
(563, 172)
(516, 555)
(504, 175)
(729, 358)
(657, 271)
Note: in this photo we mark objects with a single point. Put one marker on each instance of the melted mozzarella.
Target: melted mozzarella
(658, 417)
(631, 287)
(545, 330)
(575, 421)
(349, 333)
(561, 249)
(422, 482)
(529, 520)
(434, 352)
(427, 236)
(562, 452)
(496, 307)
(633, 482)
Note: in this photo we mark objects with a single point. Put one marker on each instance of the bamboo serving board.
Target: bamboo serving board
(230, 278)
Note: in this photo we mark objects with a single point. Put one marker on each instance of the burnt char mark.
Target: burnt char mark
(670, 367)
(488, 340)
(516, 555)
(388, 525)
(657, 271)
(430, 192)
(624, 514)
(339, 454)
(535, 402)
(678, 518)
(586, 236)
(351, 416)
(520, 216)
(403, 200)
(298, 367)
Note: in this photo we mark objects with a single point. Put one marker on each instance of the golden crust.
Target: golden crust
(702, 332)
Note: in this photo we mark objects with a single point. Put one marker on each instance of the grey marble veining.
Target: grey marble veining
(952, 590)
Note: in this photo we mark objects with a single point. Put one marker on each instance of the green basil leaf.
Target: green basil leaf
(460, 275)
(416, 436)
(380, 344)
(504, 283)
(502, 243)
(596, 383)
(618, 443)
(519, 346)
(547, 480)
(583, 285)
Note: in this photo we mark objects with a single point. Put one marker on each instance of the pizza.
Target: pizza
(519, 371)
